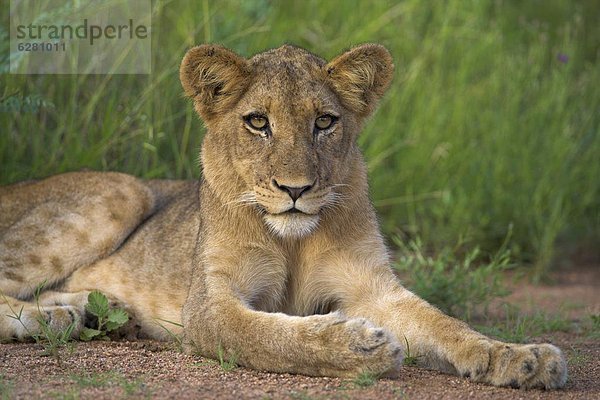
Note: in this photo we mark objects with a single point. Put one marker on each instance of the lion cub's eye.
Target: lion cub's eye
(257, 121)
(324, 122)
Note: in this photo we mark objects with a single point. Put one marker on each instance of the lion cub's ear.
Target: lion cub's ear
(361, 76)
(215, 77)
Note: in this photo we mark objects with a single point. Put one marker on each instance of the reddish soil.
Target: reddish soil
(108, 370)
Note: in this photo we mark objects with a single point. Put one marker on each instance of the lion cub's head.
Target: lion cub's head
(282, 126)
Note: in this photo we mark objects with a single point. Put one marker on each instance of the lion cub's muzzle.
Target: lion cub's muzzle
(292, 206)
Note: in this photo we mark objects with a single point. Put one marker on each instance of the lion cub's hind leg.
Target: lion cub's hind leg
(20, 320)
(78, 301)
(52, 227)
(58, 311)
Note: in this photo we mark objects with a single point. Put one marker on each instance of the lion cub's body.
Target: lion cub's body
(130, 239)
(275, 256)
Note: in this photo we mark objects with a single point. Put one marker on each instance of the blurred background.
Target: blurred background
(489, 138)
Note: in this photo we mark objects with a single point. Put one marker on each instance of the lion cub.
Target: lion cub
(274, 256)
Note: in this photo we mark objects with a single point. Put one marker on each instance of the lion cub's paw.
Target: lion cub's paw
(365, 337)
(357, 346)
(383, 352)
(527, 366)
(519, 366)
(63, 318)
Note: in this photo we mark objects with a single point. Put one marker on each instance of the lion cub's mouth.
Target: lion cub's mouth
(293, 210)
(292, 223)
(289, 219)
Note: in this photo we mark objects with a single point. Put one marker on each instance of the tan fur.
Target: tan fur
(306, 292)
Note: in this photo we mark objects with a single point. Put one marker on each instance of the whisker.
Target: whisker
(334, 202)
(246, 198)
(340, 185)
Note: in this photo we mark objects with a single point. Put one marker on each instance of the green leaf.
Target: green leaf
(88, 334)
(97, 304)
(116, 319)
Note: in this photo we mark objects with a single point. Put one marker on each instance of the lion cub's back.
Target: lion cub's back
(79, 191)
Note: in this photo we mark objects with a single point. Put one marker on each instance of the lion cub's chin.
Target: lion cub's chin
(294, 225)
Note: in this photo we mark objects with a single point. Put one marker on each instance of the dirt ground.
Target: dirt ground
(108, 370)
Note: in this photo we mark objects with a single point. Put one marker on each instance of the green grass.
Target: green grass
(176, 339)
(410, 359)
(68, 395)
(483, 129)
(6, 387)
(109, 379)
(227, 364)
(593, 327)
(102, 380)
(399, 393)
(365, 379)
(576, 357)
(459, 285)
(519, 327)
(301, 395)
(51, 339)
(94, 380)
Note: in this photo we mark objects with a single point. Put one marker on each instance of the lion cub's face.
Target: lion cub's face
(282, 126)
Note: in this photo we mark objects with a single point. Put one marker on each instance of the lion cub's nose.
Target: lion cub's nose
(294, 191)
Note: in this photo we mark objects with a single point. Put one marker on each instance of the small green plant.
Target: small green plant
(594, 330)
(228, 364)
(108, 379)
(51, 339)
(108, 319)
(68, 395)
(54, 339)
(399, 392)
(365, 379)
(16, 315)
(6, 387)
(177, 340)
(132, 387)
(457, 286)
(576, 357)
(94, 380)
(409, 358)
(301, 395)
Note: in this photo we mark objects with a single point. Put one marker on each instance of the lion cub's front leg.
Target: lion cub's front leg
(444, 343)
(218, 316)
